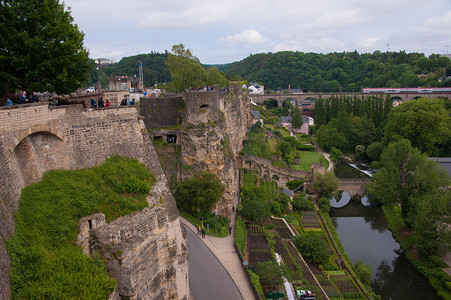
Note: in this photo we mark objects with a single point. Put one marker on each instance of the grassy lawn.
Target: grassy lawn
(269, 126)
(279, 163)
(308, 158)
(272, 144)
(304, 140)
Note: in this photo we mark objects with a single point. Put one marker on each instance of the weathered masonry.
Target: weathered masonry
(35, 138)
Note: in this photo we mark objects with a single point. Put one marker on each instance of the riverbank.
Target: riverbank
(431, 269)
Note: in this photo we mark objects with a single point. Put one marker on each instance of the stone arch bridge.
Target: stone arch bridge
(299, 98)
(354, 186)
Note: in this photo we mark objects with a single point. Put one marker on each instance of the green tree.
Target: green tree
(40, 47)
(324, 184)
(430, 215)
(296, 119)
(363, 272)
(374, 151)
(215, 77)
(199, 193)
(255, 209)
(312, 247)
(405, 174)
(335, 154)
(424, 122)
(328, 136)
(186, 70)
(270, 274)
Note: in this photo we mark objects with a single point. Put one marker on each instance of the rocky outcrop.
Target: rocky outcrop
(215, 126)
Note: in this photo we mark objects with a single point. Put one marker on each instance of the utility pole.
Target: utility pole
(141, 75)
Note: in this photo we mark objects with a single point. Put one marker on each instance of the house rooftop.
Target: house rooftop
(285, 119)
(256, 114)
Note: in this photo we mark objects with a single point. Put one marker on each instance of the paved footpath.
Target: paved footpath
(224, 250)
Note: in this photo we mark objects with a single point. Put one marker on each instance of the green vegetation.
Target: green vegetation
(199, 194)
(41, 48)
(293, 184)
(324, 185)
(255, 144)
(260, 201)
(364, 272)
(307, 158)
(255, 280)
(345, 122)
(300, 203)
(424, 122)
(312, 247)
(218, 226)
(270, 274)
(45, 262)
(186, 71)
(345, 71)
(240, 234)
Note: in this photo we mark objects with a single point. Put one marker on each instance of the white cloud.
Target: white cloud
(226, 31)
(247, 37)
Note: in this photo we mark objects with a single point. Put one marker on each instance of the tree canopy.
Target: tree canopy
(342, 71)
(40, 47)
(199, 193)
(186, 70)
(424, 122)
(414, 182)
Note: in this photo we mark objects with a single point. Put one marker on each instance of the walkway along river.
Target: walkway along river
(365, 236)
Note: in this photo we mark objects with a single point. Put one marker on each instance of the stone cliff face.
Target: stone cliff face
(215, 126)
(145, 251)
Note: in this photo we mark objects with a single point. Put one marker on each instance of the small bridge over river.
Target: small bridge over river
(354, 186)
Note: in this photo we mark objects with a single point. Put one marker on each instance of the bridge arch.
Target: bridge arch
(38, 153)
(29, 131)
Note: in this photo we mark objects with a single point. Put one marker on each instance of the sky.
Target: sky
(226, 31)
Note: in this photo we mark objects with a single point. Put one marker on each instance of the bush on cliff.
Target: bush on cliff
(199, 194)
(45, 261)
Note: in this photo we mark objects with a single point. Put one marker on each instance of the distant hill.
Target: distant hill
(346, 71)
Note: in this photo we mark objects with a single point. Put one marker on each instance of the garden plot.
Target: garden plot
(308, 278)
(281, 228)
(310, 220)
(345, 285)
(259, 250)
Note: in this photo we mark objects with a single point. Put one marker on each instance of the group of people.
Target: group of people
(99, 103)
(205, 88)
(131, 102)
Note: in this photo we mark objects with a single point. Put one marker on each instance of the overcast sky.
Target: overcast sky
(230, 30)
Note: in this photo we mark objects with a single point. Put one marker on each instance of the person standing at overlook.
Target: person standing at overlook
(23, 98)
(34, 98)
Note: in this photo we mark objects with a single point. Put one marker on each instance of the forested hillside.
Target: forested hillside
(154, 69)
(347, 71)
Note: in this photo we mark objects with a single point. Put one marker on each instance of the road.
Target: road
(208, 279)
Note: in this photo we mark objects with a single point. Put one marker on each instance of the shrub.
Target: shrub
(255, 280)
(240, 234)
(300, 203)
(293, 184)
(312, 247)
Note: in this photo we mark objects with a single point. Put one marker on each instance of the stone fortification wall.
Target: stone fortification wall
(161, 112)
(216, 124)
(202, 106)
(35, 139)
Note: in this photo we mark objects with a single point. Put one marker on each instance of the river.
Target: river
(365, 236)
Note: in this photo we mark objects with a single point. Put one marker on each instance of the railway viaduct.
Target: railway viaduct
(299, 98)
